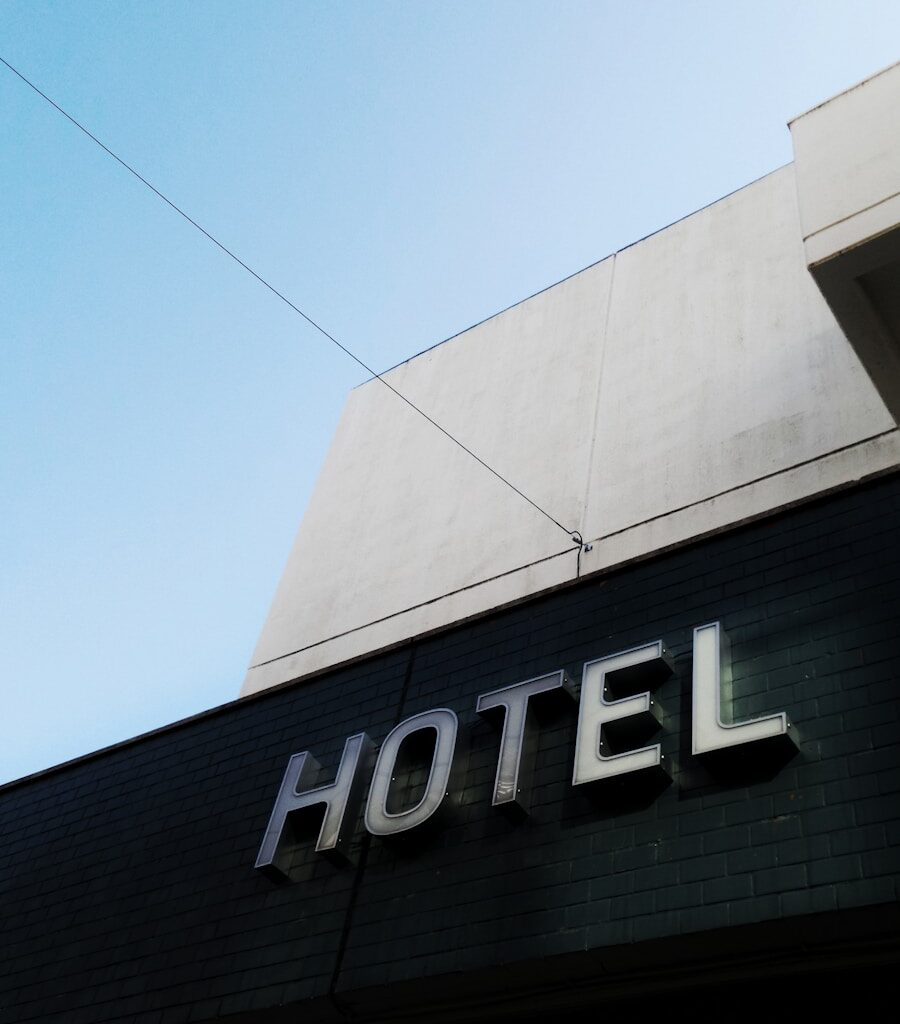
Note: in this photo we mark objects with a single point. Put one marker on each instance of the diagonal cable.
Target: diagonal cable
(573, 534)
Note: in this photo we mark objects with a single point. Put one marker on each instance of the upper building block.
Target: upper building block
(847, 166)
(689, 383)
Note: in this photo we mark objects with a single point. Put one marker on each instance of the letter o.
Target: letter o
(379, 820)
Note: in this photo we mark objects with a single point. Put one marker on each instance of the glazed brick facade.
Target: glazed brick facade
(127, 881)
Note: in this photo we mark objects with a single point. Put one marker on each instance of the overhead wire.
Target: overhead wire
(574, 535)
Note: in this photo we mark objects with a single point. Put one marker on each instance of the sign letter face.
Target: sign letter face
(599, 719)
(379, 820)
(512, 785)
(299, 790)
(712, 725)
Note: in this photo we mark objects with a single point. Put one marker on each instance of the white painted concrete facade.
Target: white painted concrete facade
(691, 382)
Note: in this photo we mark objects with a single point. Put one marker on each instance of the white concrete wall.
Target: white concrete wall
(723, 363)
(689, 383)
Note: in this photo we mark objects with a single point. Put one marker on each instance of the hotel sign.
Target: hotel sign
(609, 727)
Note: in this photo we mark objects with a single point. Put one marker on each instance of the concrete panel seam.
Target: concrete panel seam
(850, 216)
(423, 604)
(590, 460)
(749, 483)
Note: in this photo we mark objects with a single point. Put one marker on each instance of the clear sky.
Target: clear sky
(400, 170)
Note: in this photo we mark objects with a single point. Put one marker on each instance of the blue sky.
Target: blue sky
(400, 170)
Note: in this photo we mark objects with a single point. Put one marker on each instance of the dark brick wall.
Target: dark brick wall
(127, 883)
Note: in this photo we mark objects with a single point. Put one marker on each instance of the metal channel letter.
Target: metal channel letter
(712, 725)
(299, 790)
(512, 785)
(632, 716)
(379, 820)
